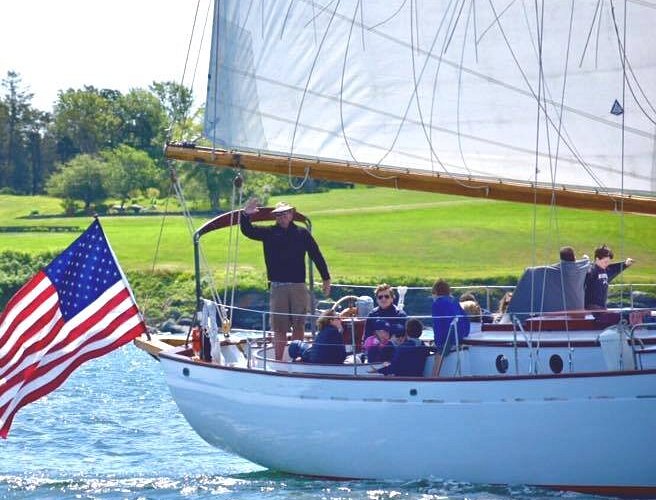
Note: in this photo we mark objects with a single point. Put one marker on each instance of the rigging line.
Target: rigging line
(284, 22)
(362, 24)
(190, 227)
(562, 94)
(314, 23)
(601, 10)
(305, 91)
(200, 47)
(495, 81)
(316, 15)
(528, 84)
(429, 135)
(552, 102)
(625, 63)
(475, 31)
(341, 84)
(459, 98)
(493, 22)
(191, 38)
(214, 73)
(419, 108)
(582, 113)
(385, 21)
(412, 98)
(234, 268)
(540, 27)
(454, 27)
(587, 40)
(408, 154)
(146, 301)
(248, 13)
(624, 85)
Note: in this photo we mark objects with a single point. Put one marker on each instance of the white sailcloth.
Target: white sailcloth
(506, 89)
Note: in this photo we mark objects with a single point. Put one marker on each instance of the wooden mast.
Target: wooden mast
(413, 180)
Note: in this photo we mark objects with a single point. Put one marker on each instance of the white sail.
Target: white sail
(497, 89)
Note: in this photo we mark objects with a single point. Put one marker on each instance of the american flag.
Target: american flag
(77, 308)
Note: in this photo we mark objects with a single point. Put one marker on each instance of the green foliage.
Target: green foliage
(143, 121)
(128, 171)
(85, 121)
(84, 178)
(16, 268)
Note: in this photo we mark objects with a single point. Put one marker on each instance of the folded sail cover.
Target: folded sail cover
(541, 289)
(78, 308)
(492, 89)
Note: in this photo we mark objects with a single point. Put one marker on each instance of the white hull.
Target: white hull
(582, 431)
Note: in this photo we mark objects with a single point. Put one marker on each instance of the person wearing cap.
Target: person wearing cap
(285, 245)
(385, 310)
(378, 347)
(445, 309)
(408, 358)
(599, 275)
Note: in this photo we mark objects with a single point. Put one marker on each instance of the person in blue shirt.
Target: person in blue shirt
(408, 359)
(599, 275)
(385, 310)
(328, 346)
(445, 308)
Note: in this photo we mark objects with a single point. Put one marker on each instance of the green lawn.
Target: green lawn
(369, 234)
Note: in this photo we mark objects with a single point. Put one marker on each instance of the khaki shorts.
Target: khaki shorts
(293, 301)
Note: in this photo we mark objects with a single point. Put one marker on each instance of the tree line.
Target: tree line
(101, 144)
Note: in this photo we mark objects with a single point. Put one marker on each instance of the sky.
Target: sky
(121, 44)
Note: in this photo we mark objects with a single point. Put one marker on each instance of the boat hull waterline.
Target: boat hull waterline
(580, 432)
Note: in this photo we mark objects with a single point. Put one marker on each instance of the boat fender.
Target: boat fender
(195, 340)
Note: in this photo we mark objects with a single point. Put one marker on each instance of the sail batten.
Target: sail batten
(426, 90)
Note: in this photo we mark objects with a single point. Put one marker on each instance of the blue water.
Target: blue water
(112, 431)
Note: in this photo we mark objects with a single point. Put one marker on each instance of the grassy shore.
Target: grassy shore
(366, 235)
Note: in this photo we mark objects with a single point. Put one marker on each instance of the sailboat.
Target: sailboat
(538, 102)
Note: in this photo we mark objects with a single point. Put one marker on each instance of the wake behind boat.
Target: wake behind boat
(544, 103)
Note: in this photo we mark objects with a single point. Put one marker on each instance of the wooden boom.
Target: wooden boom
(414, 180)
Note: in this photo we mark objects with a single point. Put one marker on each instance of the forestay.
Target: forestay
(501, 89)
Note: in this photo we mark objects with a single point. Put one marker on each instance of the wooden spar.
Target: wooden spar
(414, 180)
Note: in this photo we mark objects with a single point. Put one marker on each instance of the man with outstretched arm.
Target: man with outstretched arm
(285, 245)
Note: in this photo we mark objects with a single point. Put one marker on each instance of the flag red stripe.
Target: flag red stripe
(22, 292)
(25, 373)
(93, 319)
(56, 382)
(28, 309)
(43, 370)
(28, 334)
(78, 331)
(116, 323)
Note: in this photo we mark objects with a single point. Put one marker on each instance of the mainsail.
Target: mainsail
(551, 99)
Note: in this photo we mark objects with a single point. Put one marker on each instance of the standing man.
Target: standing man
(285, 245)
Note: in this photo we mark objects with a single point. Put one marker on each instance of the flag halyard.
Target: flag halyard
(78, 308)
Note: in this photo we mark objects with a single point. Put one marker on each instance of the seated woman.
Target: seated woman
(385, 310)
(378, 347)
(328, 346)
(502, 315)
